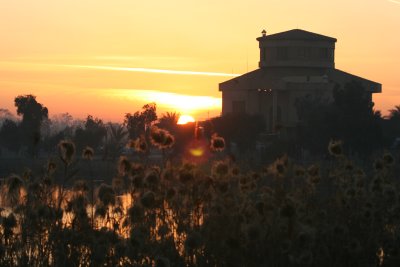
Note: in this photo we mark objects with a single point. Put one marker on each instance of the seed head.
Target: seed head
(170, 194)
(67, 151)
(140, 144)
(151, 178)
(193, 241)
(313, 170)
(106, 195)
(88, 153)
(379, 165)
(299, 171)
(124, 165)
(161, 138)
(51, 167)
(220, 168)
(81, 186)
(136, 169)
(335, 148)
(217, 143)
(185, 175)
(388, 159)
(148, 199)
(136, 213)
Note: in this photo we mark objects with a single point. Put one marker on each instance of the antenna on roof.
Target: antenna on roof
(264, 32)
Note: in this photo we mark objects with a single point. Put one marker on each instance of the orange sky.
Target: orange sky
(49, 48)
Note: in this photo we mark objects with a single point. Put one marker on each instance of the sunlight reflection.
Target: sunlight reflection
(196, 152)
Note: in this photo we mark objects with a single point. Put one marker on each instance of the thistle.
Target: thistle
(335, 148)
(67, 151)
(217, 143)
(106, 195)
(124, 166)
(140, 145)
(88, 153)
(161, 138)
(220, 168)
(148, 199)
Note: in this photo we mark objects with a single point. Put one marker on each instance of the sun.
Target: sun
(183, 119)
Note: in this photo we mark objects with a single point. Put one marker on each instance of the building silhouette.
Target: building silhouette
(293, 64)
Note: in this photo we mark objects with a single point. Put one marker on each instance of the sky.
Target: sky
(107, 58)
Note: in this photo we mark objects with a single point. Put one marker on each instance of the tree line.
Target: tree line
(350, 117)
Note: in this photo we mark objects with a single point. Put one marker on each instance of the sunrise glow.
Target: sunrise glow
(200, 133)
(184, 119)
(171, 101)
(79, 57)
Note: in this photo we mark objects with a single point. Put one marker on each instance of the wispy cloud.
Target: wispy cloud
(395, 1)
(150, 70)
(134, 58)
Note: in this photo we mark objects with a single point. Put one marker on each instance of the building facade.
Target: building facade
(293, 64)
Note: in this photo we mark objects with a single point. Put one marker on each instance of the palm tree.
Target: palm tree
(116, 140)
(394, 114)
(168, 120)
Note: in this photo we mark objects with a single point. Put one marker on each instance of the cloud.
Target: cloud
(149, 70)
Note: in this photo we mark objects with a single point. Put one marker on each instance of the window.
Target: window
(302, 52)
(282, 53)
(323, 53)
(238, 107)
(278, 117)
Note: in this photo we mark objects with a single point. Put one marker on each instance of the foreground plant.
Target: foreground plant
(181, 214)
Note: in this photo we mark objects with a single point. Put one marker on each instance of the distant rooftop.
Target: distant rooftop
(298, 34)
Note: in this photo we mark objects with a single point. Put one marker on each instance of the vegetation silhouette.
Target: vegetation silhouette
(140, 121)
(158, 208)
(33, 114)
(179, 215)
(350, 118)
(91, 134)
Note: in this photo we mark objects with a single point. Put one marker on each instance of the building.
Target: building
(293, 64)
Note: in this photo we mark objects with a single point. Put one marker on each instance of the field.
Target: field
(82, 211)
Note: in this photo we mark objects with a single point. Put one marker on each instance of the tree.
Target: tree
(350, 118)
(61, 122)
(168, 120)
(138, 123)
(239, 128)
(5, 114)
(92, 134)
(9, 135)
(391, 126)
(314, 131)
(394, 114)
(33, 114)
(116, 140)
